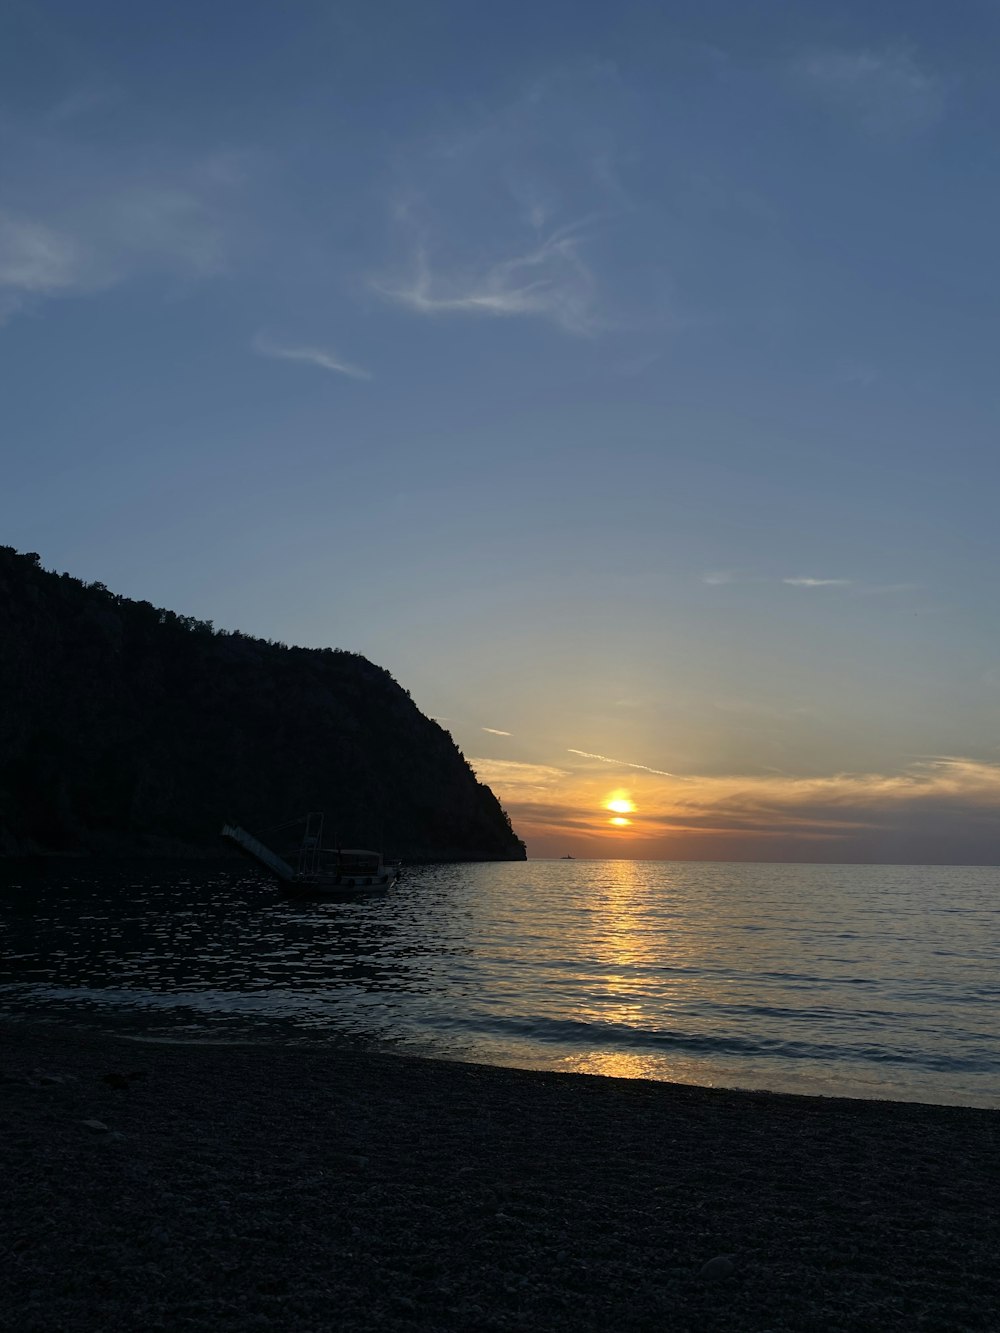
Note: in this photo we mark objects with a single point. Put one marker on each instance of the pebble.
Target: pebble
(718, 1268)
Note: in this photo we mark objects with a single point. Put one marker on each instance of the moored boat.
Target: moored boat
(325, 871)
(343, 870)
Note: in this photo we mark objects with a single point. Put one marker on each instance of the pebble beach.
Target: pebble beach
(154, 1186)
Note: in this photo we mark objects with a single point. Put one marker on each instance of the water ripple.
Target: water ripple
(875, 981)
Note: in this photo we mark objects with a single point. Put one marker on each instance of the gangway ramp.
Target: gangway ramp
(255, 848)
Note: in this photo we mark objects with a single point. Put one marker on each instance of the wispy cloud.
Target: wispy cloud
(724, 577)
(720, 578)
(36, 259)
(517, 212)
(886, 93)
(495, 731)
(163, 224)
(519, 780)
(805, 582)
(324, 357)
(622, 763)
(549, 280)
(889, 802)
(105, 237)
(81, 214)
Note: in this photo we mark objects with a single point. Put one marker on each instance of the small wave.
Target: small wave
(738, 972)
(618, 1036)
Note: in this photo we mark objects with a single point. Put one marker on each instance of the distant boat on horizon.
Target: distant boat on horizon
(567, 857)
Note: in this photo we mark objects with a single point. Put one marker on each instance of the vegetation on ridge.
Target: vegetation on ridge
(125, 727)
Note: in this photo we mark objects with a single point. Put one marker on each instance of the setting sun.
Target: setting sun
(620, 803)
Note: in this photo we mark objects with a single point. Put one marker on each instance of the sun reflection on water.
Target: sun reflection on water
(837, 980)
(622, 992)
(616, 1064)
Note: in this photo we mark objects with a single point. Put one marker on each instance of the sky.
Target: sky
(622, 378)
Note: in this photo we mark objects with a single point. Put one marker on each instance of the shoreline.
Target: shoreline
(853, 1092)
(241, 1186)
(822, 1089)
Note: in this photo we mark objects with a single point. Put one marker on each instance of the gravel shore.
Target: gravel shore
(301, 1189)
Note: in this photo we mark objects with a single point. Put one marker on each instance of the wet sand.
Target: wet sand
(237, 1187)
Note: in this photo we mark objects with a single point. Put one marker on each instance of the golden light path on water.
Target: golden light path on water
(838, 980)
(620, 998)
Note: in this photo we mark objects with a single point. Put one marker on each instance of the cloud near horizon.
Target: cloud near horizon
(944, 808)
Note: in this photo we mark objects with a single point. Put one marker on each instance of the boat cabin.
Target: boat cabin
(340, 862)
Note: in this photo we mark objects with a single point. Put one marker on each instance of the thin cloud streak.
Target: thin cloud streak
(624, 763)
(324, 357)
(721, 578)
(817, 583)
(495, 731)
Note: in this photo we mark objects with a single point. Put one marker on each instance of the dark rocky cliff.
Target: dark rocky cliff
(125, 728)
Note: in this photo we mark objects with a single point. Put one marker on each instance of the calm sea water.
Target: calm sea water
(848, 980)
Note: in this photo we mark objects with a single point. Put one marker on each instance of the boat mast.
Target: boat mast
(312, 844)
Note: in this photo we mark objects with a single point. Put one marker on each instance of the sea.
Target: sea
(833, 980)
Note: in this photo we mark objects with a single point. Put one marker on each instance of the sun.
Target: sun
(620, 803)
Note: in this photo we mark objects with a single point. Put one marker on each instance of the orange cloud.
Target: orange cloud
(944, 809)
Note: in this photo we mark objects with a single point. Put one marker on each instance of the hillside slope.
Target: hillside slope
(125, 728)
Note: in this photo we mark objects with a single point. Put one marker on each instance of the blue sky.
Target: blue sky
(620, 377)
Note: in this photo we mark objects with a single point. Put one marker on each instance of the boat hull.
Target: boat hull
(342, 886)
